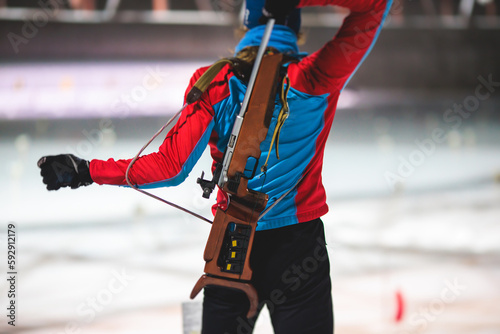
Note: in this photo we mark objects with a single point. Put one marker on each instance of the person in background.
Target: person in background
(291, 269)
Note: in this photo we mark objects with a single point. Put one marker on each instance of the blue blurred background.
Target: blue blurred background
(412, 167)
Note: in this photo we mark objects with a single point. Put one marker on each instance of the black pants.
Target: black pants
(291, 273)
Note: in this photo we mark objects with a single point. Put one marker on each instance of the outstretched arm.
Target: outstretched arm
(169, 166)
(331, 67)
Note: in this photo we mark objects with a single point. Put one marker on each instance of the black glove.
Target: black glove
(64, 170)
(278, 9)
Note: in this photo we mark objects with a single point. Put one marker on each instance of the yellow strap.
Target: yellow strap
(204, 81)
(283, 115)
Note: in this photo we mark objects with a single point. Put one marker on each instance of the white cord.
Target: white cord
(149, 194)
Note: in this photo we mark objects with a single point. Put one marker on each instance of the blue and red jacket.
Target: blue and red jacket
(315, 84)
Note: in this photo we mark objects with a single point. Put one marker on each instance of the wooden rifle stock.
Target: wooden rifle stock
(229, 245)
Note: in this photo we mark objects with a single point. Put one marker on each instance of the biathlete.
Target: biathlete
(291, 271)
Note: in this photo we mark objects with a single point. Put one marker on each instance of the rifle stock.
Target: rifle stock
(229, 245)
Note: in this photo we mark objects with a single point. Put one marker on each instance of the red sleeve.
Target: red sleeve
(330, 67)
(171, 164)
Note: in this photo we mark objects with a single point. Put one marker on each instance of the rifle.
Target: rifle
(229, 245)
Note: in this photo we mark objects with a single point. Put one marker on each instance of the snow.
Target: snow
(434, 238)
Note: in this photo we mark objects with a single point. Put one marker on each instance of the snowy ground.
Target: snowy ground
(440, 252)
(110, 260)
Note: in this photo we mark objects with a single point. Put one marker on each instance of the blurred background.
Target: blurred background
(412, 167)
